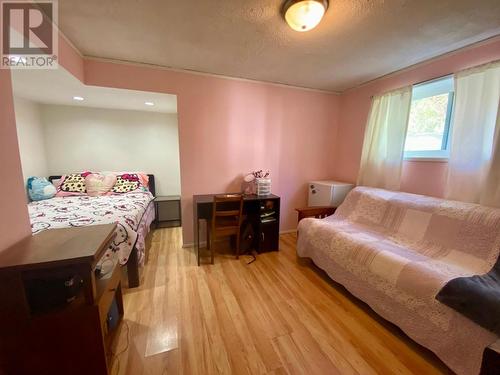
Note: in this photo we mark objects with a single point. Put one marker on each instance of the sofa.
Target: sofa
(396, 251)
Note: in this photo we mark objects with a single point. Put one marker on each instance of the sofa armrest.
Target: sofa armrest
(318, 212)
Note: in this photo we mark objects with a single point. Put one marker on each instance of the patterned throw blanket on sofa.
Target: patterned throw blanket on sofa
(396, 251)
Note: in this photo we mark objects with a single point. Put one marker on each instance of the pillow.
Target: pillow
(56, 182)
(97, 184)
(40, 189)
(126, 183)
(72, 184)
(143, 177)
(144, 180)
(477, 297)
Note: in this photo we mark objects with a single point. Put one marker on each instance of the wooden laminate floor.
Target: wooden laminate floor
(277, 315)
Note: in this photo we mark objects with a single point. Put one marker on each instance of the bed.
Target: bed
(133, 212)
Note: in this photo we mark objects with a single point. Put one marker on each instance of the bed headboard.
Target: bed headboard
(151, 183)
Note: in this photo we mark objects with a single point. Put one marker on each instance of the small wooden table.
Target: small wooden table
(318, 212)
(54, 306)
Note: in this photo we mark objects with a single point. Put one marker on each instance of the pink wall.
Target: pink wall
(14, 221)
(70, 58)
(418, 177)
(226, 128)
(230, 127)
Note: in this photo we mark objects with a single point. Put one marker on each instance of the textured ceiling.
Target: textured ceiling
(357, 41)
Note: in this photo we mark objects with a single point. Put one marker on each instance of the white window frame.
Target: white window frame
(426, 89)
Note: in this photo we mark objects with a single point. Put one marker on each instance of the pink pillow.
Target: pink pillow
(98, 184)
(144, 179)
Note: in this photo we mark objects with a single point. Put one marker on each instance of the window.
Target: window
(430, 119)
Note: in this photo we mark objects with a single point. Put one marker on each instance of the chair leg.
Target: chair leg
(237, 246)
(209, 241)
(208, 235)
(212, 250)
(197, 244)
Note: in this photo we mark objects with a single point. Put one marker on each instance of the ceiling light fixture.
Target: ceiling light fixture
(149, 103)
(304, 15)
(78, 98)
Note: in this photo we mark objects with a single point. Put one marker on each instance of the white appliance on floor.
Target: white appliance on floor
(327, 193)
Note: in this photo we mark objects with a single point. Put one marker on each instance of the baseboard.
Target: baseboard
(288, 231)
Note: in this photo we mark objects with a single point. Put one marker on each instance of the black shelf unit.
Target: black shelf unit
(168, 211)
(268, 228)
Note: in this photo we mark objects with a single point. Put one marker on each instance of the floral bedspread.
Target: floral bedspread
(129, 211)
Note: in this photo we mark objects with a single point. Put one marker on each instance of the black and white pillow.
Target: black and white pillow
(126, 183)
(73, 183)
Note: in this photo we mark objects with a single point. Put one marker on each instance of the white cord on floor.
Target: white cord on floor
(116, 355)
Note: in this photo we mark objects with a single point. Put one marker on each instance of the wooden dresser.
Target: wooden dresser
(54, 305)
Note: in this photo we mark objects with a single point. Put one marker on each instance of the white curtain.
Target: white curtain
(474, 165)
(383, 147)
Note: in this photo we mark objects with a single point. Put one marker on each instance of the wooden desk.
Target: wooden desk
(266, 233)
(53, 307)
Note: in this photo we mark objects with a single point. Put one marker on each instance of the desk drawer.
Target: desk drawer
(106, 291)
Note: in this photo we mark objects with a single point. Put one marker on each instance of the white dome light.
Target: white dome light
(304, 15)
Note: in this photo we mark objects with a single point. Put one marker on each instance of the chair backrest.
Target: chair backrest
(227, 207)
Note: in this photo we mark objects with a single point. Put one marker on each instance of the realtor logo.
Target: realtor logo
(28, 34)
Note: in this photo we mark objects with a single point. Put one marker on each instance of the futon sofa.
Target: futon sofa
(397, 251)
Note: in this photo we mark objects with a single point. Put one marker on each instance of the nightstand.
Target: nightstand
(318, 212)
(168, 211)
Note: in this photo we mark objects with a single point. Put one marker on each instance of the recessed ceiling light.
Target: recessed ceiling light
(149, 103)
(78, 98)
(304, 15)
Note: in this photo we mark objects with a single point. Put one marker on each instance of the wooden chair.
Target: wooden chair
(227, 215)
